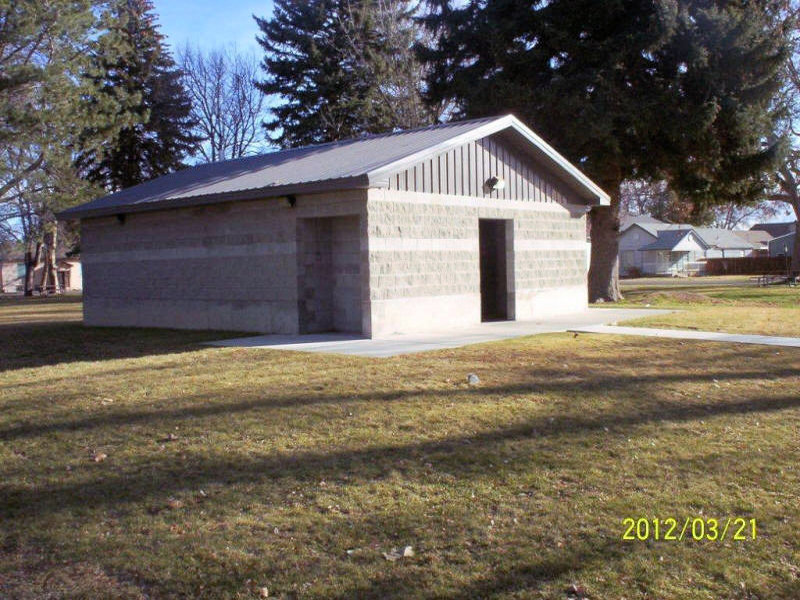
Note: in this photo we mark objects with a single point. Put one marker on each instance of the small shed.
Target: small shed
(782, 246)
(421, 230)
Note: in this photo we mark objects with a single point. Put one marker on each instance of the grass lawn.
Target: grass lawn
(137, 464)
(729, 304)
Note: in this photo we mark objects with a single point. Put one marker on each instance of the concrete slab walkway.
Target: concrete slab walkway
(397, 344)
(683, 334)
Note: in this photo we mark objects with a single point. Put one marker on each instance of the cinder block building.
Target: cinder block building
(420, 230)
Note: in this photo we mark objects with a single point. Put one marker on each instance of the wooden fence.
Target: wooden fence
(749, 265)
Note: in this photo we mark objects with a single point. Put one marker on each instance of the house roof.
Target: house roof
(783, 239)
(357, 163)
(775, 229)
(668, 239)
(654, 228)
(724, 239)
(627, 220)
(757, 236)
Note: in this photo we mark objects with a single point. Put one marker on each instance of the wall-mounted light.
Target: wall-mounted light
(121, 218)
(494, 184)
(291, 199)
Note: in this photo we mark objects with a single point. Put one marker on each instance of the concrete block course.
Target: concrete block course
(369, 261)
(424, 246)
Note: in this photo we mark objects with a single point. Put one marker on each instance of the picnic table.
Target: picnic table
(771, 279)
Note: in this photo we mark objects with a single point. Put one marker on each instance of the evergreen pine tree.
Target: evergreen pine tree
(49, 109)
(161, 136)
(678, 91)
(330, 64)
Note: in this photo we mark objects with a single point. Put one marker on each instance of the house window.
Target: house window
(628, 258)
(20, 270)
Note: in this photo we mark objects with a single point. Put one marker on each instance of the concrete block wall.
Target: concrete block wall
(347, 273)
(389, 261)
(424, 259)
(230, 266)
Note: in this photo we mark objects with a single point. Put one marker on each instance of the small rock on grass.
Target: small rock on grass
(264, 592)
(99, 457)
(398, 553)
(473, 379)
(576, 592)
(174, 503)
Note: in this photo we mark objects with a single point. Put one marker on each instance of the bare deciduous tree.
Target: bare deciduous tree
(226, 105)
(639, 197)
(732, 216)
(787, 178)
(399, 73)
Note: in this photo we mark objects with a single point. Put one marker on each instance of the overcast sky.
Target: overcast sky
(211, 23)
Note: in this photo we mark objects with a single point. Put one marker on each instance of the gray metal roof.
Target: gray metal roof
(669, 234)
(775, 229)
(357, 163)
(626, 220)
(654, 227)
(667, 239)
(758, 237)
(724, 239)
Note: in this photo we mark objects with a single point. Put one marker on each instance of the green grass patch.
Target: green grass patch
(733, 305)
(137, 464)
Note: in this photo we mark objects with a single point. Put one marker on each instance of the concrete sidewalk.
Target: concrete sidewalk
(683, 334)
(397, 344)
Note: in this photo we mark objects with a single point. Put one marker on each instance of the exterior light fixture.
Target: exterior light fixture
(291, 199)
(494, 184)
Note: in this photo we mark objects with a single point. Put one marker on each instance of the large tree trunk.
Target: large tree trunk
(31, 260)
(604, 265)
(796, 248)
(50, 271)
(54, 259)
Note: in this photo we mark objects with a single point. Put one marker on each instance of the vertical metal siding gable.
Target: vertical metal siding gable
(463, 170)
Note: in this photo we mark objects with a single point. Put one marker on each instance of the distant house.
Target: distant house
(636, 232)
(674, 251)
(775, 229)
(783, 245)
(12, 273)
(648, 246)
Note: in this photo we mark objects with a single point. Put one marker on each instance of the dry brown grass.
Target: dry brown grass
(229, 470)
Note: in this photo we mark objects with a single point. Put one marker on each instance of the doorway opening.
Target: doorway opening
(496, 258)
(329, 274)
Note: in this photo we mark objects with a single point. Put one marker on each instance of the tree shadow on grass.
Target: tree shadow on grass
(514, 580)
(454, 455)
(541, 381)
(31, 345)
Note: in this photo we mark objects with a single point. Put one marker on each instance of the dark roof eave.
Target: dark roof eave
(312, 187)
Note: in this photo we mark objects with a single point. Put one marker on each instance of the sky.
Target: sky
(211, 23)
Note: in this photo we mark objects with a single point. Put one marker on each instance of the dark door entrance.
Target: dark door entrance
(329, 274)
(494, 269)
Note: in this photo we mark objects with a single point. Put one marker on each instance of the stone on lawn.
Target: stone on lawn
(473, 379)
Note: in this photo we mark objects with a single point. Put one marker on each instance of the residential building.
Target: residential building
(652, 247)
(12, 273)
(783, 245)
(435, 228)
